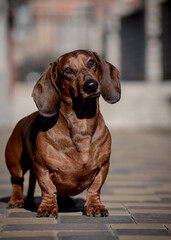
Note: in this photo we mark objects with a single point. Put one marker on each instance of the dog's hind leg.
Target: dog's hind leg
(13, 155)
(29, 202)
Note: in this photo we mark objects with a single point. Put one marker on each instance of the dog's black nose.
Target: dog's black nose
(90, 86)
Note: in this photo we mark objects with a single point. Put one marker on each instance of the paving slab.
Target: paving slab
(87, 237)
(160, 218)
(58, 227)
(91, 235)
(106, 220)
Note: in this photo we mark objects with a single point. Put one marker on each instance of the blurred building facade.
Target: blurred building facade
(134, 35)
(4, 61)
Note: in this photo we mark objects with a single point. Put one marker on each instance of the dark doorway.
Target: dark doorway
(166, 39)
(133, 45)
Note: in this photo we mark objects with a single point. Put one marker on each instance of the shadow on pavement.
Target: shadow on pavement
(65, 204)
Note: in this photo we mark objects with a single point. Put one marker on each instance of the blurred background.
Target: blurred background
(134, 35)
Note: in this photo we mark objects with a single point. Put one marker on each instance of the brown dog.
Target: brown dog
(66, 145)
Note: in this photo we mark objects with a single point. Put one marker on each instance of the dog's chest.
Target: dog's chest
(73, 166)
(73, 150)
(81, 138)
(74, 155)
(76, 135)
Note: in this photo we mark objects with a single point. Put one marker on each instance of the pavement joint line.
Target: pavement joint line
(113, 232)
(166, 228)
(130, 214)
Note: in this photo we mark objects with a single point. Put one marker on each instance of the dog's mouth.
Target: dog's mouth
(94, 95)
(85, 97)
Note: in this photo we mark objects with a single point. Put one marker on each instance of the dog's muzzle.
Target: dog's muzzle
(90, 86)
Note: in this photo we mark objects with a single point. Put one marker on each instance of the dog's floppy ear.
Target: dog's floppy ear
(46, 94)
(110, 83)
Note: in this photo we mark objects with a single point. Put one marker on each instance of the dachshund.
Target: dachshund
(65, 144)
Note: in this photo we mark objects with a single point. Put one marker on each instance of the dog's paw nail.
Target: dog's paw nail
(104, 213)
(48, 214)
(55, 215)
(40, 214)
(20, 205)
(43, 214)
(94, 214)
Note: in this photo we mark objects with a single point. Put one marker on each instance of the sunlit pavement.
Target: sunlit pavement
(137, 194)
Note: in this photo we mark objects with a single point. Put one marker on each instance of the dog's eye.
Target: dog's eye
(68, 71)
(91, 63)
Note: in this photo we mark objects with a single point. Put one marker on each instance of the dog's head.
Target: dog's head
(78, 74)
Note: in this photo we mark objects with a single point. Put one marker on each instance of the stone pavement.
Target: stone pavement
(137, 193)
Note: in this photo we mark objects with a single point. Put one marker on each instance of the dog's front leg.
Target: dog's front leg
(93, 205)
(49, 192)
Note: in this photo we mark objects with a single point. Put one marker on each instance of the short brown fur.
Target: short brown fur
(66, 145)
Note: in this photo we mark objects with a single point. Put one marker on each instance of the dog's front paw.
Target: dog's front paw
(15, 203)
(46, 211)
(96, 210)
(48, 206)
